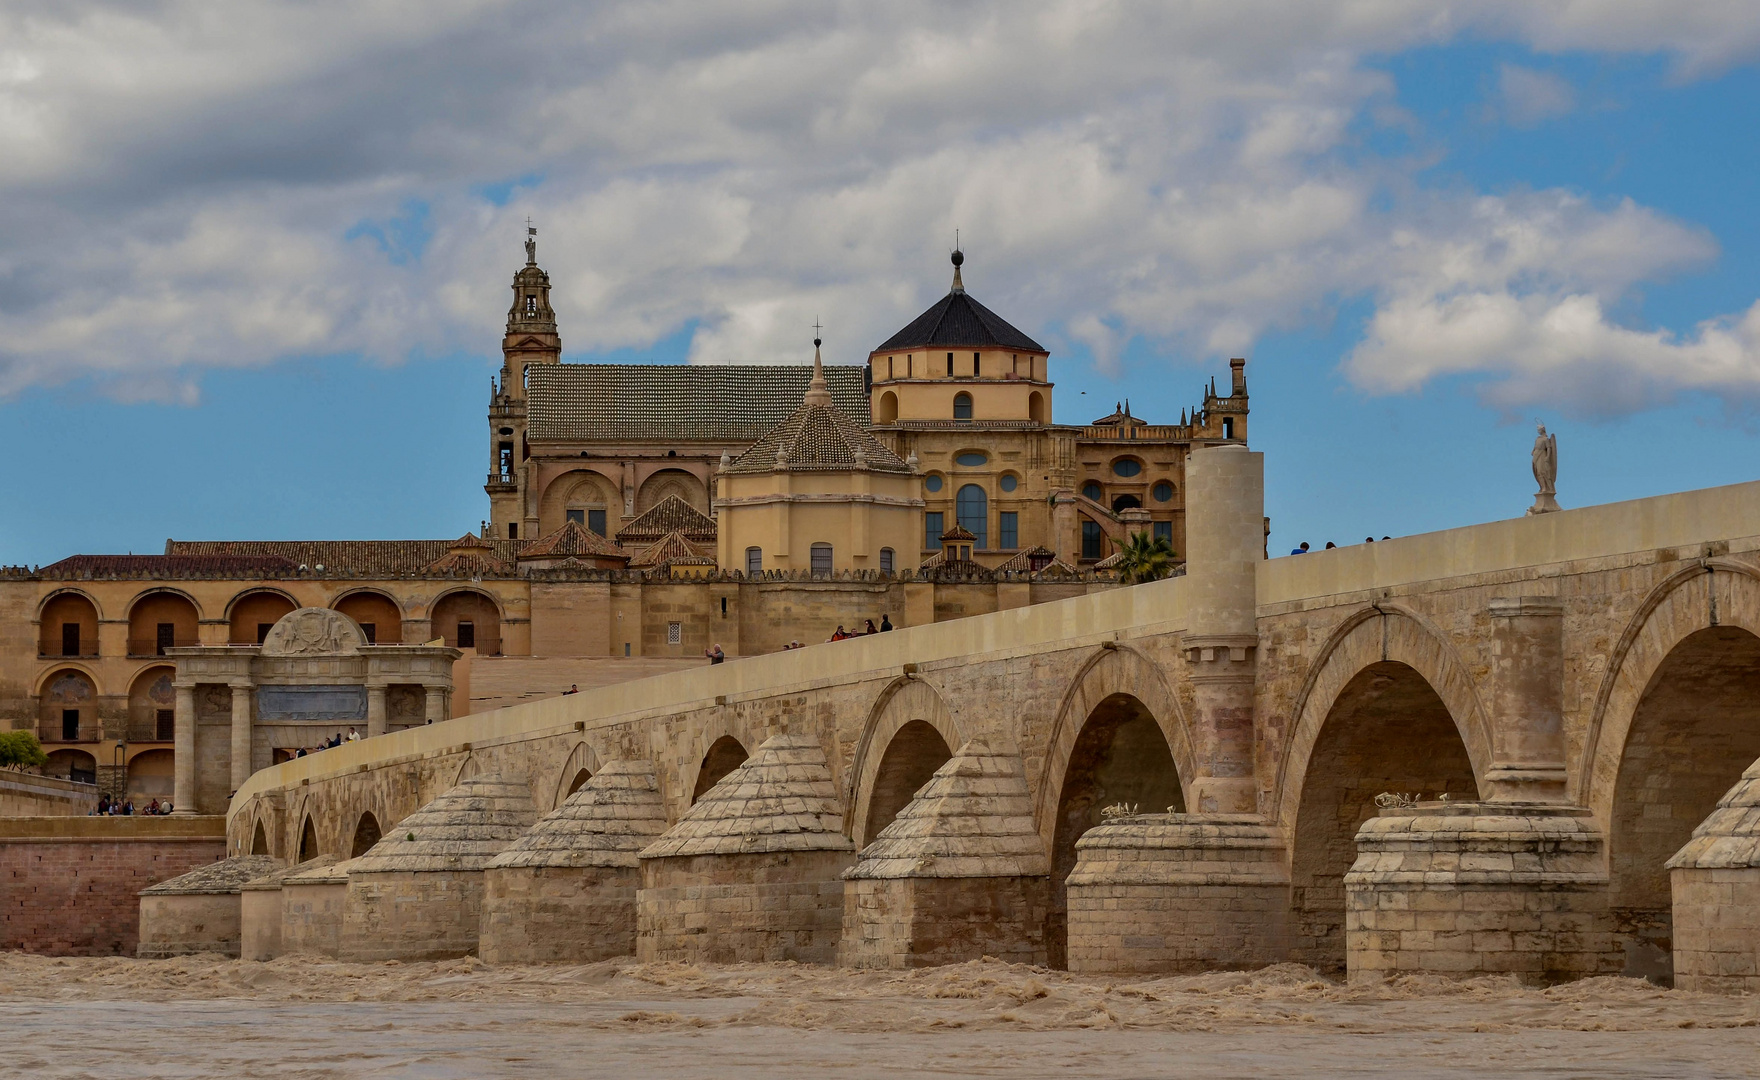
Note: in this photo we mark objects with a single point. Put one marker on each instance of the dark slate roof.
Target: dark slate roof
(660, 402)
(957, 319)
(818, 439)
(669, 515)
(358, 558)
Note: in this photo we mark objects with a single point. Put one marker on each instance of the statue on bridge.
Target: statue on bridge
(1545, 459)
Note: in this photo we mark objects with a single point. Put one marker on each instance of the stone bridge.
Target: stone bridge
(1598, 667)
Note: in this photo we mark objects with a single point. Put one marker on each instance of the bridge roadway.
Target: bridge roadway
(1606, 657)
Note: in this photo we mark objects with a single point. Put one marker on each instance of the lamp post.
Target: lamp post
(116, 759)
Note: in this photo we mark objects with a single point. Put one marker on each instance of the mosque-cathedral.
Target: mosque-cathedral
(636, 511)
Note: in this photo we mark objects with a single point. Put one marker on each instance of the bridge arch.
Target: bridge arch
(714, 750)
(908, 728)
(1107, 673)
(579, 767)
(1387, 706)
(1386, 633)
(1675, 723)
(366, 834)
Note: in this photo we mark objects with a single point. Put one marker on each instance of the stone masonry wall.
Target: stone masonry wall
(900, 923)
(1717, 929)
(725, 909)
(427, 915)
(534, 915)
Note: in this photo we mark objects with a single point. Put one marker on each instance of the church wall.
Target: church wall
(572, 618)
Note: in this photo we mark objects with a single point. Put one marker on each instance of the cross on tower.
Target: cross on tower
(817, 328)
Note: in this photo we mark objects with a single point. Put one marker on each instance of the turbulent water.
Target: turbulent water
(305, 1017)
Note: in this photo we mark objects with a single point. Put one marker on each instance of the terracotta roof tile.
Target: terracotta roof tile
(170, 566)
(358, 558)
(815, 438)
(671, 550)
(572, 540)
(669, 515)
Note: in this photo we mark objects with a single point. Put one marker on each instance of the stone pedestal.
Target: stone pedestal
(260, 913)
(959, 875)
(1479, 888)
(566, 890)
(1716, 885)
(312, 903)
(753, 871)
(1179, 893)
(199, 911)
(418, 893)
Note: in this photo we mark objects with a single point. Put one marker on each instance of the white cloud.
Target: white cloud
(1530, 98)
(184, 191)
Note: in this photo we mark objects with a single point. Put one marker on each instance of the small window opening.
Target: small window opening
(886, 560)
(1228, 427)
(165, 636)
(724, 607)
(950, 364)
(531, 304)
(933, 527)
(165, 725)
(263, 629)
(69, 725)
(371, 630)
(674, 633)
(70, 639)
(504, 458)
(754, 561)
(976, 366)
(579, 517)
(821, 560)
(1091, 540)
(512, 531)
(596, 521)
(467, 634)
(962, 406)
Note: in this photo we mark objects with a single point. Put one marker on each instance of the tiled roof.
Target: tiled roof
(224, 876)
(461, 830)
(657, 402)
(818, 439)
(359, 558)
(671, 550)
(470, 555)
(957, 319)
(1033, 560)
(169, 566)
(613, 816)
(572, 540)
(955, 532)
(669, 515)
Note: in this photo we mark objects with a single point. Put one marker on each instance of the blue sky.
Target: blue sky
(279, 320)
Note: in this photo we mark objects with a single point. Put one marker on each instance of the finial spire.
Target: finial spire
(959, 258)
(818, 391)
(531, 243)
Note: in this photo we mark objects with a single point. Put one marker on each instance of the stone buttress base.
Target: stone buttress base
(411, 915)
(730, 908)
(1178, 893)
(311, 917)
(923, 921)
(195, 923)
(545, 914)
(259, 923)
(1479, 888)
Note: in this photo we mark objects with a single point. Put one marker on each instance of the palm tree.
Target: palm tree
(1145, 558)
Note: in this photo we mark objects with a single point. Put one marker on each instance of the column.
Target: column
(377, 723)
(183, 752)
(241, 734)
(436, 710)
(1225, 541)
(1527, 700)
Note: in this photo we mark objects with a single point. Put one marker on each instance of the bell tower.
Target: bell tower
(531, 338)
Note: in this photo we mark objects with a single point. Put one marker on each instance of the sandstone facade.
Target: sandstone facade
(198, 911)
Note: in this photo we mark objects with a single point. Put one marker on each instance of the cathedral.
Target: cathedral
(959, 399)
(639, 514)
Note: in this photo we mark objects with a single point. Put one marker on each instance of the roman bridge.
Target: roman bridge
(1604, 658)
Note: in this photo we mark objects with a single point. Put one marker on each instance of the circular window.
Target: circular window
(933, 483)
(970, 458)
(1091, 490)
(1127, 466)
(1163, 491)
(1010, 481)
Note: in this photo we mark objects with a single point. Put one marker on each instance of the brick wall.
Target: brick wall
(68, 885)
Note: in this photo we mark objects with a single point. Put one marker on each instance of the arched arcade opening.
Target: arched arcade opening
(1695, 729)
(1120, 756)
(366, 834)
(911, 758)
(725, 755)
(1387, 731)
(254, 614)
(468, 619)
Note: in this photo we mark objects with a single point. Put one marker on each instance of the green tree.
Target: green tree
(1145, 558)
(20, 750)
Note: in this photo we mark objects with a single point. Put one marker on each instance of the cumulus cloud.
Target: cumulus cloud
(184, 187)
(1530, 98)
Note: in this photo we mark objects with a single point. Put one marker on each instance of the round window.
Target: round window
(932, 482)
(1010, 481)
(970, 458)
(1163, 491)
(1091, 490)
(1127, 466)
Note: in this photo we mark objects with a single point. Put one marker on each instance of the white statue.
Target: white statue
(1545, 460)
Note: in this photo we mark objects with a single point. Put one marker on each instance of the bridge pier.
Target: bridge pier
(1179, 893)
(1476, 889)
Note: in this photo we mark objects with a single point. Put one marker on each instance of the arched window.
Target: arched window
(887, 412)
(962, 406)
(754, 561)
(972, 511)
(1092, 490)
(821, 560)
(1036, 407)
(886, 560)
(1228, 427)
(1127, 466)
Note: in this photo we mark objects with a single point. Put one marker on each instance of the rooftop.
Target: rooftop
(661, 402)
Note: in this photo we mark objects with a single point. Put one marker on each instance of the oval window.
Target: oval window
(1091, 490)
(932, 483)
(1127, 466)
(1010, 481)
(971, 457)
(1163, 491)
